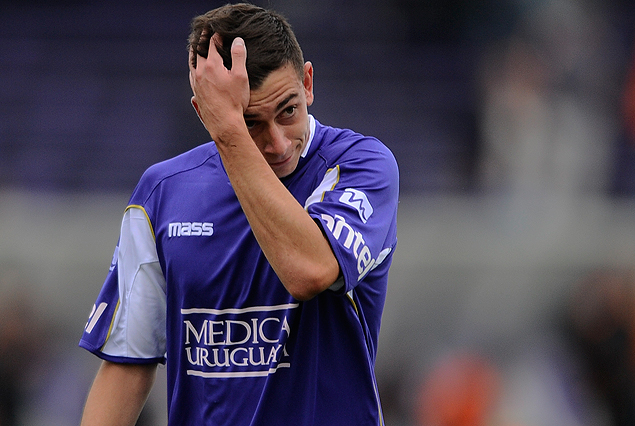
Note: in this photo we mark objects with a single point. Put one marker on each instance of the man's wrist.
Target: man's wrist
(231, 134)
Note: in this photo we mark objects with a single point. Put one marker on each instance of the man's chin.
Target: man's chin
(284, 170)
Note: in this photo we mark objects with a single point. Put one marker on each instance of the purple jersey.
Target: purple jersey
(190, 285)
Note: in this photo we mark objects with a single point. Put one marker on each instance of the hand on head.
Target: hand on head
(220, 95)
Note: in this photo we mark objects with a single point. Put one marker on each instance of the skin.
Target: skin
(260, 135)
(282, 139)
(118, 394)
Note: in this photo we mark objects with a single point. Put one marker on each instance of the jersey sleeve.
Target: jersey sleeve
(127, 322)
(356, 206)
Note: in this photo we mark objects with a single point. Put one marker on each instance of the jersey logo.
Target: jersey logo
(355, 243)
(190, 229)
(236, 342)
(358, 200)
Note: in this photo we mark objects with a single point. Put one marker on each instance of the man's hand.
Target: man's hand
(221, 96)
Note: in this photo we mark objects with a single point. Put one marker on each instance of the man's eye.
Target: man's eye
(289, 111)
(250, 124)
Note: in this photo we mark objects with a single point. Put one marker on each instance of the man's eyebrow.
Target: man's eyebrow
(281, 105)
(284, 102)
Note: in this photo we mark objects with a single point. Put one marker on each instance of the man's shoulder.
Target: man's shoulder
(177, 166)
(339, 141)
(186, 161)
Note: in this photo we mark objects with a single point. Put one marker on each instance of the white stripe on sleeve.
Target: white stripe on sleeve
(139, 327)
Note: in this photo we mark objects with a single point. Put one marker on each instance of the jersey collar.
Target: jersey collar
(311, 134)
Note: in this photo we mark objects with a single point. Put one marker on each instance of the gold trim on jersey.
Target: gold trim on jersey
(137, 206)
(112, 322)
(377, 400)
(331, 178)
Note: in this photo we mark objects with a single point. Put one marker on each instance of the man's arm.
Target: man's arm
(290, 239)
(118, 394)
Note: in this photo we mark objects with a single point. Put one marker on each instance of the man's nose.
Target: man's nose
(277, 143)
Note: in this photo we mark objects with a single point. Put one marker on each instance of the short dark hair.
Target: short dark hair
(269, 40)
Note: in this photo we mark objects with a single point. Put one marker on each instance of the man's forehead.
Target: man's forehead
(287, 69)
(254, 110)
(278, 89)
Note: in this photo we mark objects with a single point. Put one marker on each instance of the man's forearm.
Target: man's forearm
(118, 394)
(291, 240)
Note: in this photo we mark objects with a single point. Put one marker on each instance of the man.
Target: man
(256, 265)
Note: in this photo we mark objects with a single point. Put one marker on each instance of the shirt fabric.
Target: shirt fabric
(190, 286)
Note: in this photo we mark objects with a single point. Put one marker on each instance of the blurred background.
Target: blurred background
(513, 121)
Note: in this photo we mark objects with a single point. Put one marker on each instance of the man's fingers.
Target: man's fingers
(239, 67)
(239, 54)
(212, 83)
(212, 56)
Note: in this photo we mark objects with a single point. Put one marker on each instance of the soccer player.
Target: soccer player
(255, 265)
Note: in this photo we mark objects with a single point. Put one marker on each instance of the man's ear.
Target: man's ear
(195, 105)
(308, 82)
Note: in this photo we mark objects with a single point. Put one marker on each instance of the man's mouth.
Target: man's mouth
(281, 163)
